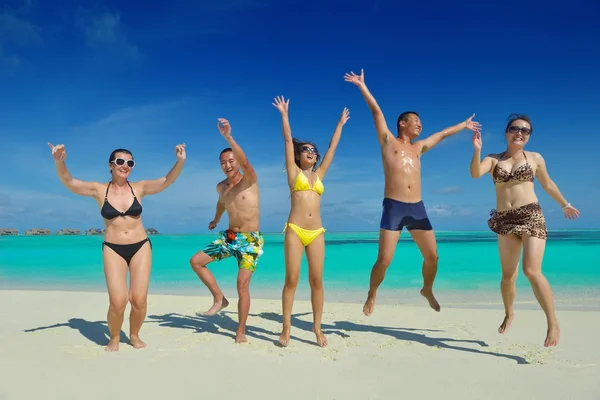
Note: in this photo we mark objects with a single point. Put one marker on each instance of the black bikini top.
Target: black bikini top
(109, 212)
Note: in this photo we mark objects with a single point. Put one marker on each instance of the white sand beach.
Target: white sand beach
(399, 352)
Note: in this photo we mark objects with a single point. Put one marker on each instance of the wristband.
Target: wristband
(566, 205)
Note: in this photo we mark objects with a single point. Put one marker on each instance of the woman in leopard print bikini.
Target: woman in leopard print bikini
(518, 220)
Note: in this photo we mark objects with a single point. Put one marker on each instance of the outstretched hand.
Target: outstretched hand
(281, 104)
(224, 127)
(58, 152)
(571, 212)
(472, 125)
(358, 80)
(180, 152)
(477, 143)
(345, 116)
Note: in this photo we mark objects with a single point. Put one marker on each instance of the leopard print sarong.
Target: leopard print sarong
(527, 219)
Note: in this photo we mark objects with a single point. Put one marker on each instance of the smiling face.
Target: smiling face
(409, 124)
(518, 132)
(229, 165)
(121, 163)
(306, 155)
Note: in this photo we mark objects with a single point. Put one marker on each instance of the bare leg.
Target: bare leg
(509, 247)
(425, 241)
(315, 254)
(140, 268)
(115, 272)
(199, 262)
(387, 246)
(533, 254)
(243, 287)
(293, 249)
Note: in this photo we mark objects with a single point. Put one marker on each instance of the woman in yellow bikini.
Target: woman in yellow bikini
(304, 229)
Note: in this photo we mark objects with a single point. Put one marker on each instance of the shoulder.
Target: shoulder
(220, 185)
(534, 155)
(494, 156)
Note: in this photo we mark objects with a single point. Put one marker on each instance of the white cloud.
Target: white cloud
(104, 31)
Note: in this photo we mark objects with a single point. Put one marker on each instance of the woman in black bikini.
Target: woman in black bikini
(126, 244)
(518, 219)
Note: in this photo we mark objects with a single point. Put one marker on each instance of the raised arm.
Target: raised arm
(333, 143)
(479, 168)
(290, 163)
(433, 140)
(238, 153)
(383, 132)
(158, 185)
(551, 188)
(76, 186)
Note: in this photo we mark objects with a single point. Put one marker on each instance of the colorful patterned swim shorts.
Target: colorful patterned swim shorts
(245, 247)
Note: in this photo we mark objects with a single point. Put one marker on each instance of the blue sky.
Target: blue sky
(101, 75)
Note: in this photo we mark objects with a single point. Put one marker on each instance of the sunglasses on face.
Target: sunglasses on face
(308, 149)
(121, 161)
(517, 129)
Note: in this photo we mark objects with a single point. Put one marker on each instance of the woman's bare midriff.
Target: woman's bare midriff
(125, 230)
(514, 195)
(305, 210)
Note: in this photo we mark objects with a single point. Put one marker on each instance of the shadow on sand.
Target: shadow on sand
(407, 334)
(96, 332)
(220, 324)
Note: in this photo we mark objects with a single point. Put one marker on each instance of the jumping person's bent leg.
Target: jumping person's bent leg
(217, 250)
(533, 254)
(425, 241)
(387, 246)
(509, 247)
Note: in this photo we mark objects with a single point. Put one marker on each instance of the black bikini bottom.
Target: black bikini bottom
(127, 251)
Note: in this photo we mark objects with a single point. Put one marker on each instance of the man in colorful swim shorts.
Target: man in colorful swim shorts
(240, 197)
(402, 205)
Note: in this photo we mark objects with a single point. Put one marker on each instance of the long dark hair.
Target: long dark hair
(298, 149)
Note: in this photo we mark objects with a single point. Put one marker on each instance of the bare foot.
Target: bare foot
(433, 303)
(284, 339)
(321, 338)
(553, 335)
(240, 338)
(506, 323)
(216, 307)
(113, 345)
(136, 342)
(369, 306)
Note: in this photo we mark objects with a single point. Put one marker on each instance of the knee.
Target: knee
(383, 261)
(291, 281)
(196, 262)
(243, 286)
(509, 279)
(532, 274)
(431, 259)
(138, 301)
(118, 304)
(316, 282)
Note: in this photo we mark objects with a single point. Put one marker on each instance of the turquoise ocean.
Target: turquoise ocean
(469, 265)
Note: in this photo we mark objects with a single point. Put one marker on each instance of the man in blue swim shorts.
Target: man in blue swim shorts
(240, 197)
(403, 205)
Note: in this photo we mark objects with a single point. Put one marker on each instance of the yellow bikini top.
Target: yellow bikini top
(302, 183)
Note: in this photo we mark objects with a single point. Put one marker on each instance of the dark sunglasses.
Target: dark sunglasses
(308, 149)
(517, 129)
(121, 161)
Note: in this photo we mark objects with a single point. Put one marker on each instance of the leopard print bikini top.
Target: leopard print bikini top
(523, 173)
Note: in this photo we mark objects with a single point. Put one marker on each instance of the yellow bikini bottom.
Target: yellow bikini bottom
(306, 236)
